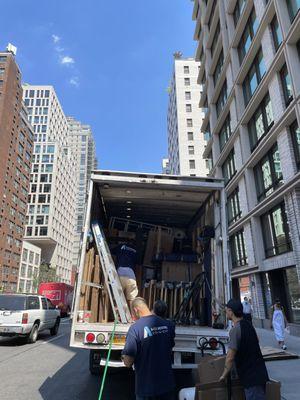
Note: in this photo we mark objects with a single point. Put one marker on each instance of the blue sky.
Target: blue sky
(110, 63)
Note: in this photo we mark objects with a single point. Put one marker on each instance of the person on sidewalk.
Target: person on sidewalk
(126, 257)
(279, 323)
(148, 346)
(245, 353)
(247, 310)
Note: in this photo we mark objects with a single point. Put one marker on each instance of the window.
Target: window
(42, 198)
(31, 256)
(276, 33)
(218, 68)
(31, 93)
(233, 207)
(51, 149)
(294, 292)
(268, 174)
(209, 162)
(43, 231)
(33, 303)
(191, 150)
(261, 122)
(189, 122)
(276, 233)
(295, 132)
(215, 40)
(186, 69)
(220, 103)
(188, 108)
(44, 303)
(293, 8)
(47, 93)
(190, 135)
(25, 255)
(238, 9)
(40, 220)
(192, 164)
(225, 132)
(254, 76)
(29, 231)
(247, 36)
(187, 81)
(188, 95)
(228, 167)
(298, 48)
(286, 85)
(51, 306)
(238, 250)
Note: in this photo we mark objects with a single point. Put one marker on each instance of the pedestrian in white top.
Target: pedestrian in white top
(247, 310)
(279, 323)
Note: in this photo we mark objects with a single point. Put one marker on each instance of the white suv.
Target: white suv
(26, 315)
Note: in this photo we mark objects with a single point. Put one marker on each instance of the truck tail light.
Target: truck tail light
(25, 318)
(90, 337)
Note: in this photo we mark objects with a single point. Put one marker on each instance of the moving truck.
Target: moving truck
(178, 226)
(60, 294)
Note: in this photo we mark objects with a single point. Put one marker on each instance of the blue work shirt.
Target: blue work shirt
(150, 341)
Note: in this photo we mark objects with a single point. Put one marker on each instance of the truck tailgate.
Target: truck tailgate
(10, 317)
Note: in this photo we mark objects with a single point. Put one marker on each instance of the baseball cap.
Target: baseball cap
(235, 305)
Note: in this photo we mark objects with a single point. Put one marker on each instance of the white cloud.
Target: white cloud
(74, 81)
(59, 49)
(67, 60)
(55, 38)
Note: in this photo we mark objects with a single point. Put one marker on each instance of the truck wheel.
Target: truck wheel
(94, 362)
(33, 335)
(54, 329)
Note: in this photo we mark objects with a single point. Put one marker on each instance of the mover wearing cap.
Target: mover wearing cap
(244, 351)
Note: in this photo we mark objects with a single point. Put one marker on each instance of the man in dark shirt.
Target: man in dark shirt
(149, 346)
(125, 263)
(244, 351)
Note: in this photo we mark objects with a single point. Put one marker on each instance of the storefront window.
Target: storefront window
(294, 293)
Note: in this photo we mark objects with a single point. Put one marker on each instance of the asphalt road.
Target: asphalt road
(51, 370)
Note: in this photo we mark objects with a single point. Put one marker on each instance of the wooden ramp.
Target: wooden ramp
(273, 354)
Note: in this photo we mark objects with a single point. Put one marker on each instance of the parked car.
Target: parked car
(25, 315)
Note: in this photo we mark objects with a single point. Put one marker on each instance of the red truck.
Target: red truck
(60, 294)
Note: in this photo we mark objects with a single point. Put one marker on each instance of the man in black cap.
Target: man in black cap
(244, 351)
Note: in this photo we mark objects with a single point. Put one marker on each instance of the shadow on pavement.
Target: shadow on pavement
(74, 382)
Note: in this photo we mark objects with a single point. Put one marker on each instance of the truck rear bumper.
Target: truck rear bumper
(8, 330)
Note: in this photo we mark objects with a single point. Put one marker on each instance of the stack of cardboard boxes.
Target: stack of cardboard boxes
(209, 388)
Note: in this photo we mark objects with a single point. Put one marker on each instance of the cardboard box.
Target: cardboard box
(219, 391)
(210, 369)
(179, 271)
(273, 390)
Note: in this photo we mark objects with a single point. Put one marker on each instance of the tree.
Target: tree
(46, 274)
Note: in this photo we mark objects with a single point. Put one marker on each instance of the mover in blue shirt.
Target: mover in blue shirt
(149, 346)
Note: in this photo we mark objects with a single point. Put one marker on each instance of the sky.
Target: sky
(110, 63)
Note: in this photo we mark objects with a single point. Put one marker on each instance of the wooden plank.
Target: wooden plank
(95, 292)
(87, 302)
(85, 274)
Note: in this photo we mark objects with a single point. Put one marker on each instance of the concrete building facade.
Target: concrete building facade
(83, 147)
(29, 268)
(165, 166)
(15, 163)
(249, 53)
(51, 201)
(185, 142)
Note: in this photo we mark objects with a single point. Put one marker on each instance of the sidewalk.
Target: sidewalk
(287, 371)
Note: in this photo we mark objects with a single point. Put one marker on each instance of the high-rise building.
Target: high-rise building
(185, 142)
(83, 147)
(165, 166)
(29, 268)
(250, 60)
(51, 201)
(15, 162)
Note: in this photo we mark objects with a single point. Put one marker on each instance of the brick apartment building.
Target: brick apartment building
(16, 145)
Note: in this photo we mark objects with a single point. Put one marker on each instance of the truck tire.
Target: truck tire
(33, 335)
(54, 329)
